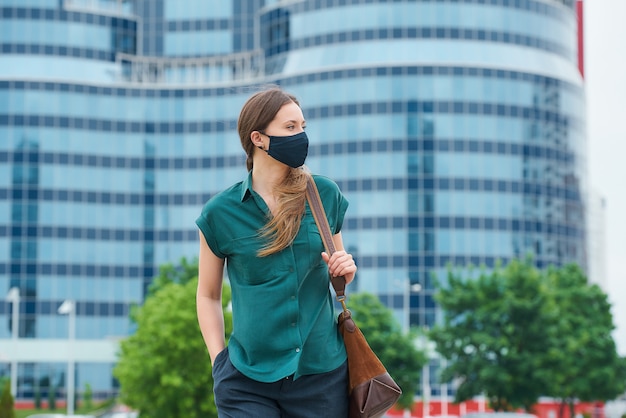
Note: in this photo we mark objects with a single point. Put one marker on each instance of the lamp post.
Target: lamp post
(68, 308)
(444, 391)
(14, 297)
(426, 389)
(423, 343)
(406, 305)
(409, 288)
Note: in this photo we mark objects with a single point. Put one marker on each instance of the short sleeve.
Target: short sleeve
(208, 230)
(343, 207)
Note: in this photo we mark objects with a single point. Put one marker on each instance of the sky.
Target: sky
(605, 76)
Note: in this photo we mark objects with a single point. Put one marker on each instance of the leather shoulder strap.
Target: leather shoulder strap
(319, 214)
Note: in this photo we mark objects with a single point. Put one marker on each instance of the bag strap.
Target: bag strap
(319, 214)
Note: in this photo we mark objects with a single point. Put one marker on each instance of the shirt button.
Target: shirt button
(298, 350)
(291, 270)
(293, 324)
(293, 298)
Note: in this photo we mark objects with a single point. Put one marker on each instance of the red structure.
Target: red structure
(543, 409)
(581, 40)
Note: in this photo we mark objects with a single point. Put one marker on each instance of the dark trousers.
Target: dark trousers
(318, 395)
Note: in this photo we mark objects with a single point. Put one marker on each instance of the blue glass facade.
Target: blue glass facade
(455, 128)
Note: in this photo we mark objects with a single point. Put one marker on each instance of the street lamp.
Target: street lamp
(406, 302)
(423, 344)
(426, 389)
(68, 308)
(14, 297)
(409, 288)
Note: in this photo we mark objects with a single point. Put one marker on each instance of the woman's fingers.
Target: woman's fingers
(340, 263)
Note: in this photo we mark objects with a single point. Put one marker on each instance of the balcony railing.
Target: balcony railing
(107, 7)
(216, 70)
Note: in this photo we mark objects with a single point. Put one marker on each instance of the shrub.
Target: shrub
(6, 401)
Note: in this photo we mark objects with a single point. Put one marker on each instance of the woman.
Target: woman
(285, 357)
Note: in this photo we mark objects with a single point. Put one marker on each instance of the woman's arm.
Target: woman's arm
(341, 263)
(209, 299)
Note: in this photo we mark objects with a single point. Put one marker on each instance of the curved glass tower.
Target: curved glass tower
(455, 128)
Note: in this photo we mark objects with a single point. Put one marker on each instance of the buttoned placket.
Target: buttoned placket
(294, 319)
(294, 299)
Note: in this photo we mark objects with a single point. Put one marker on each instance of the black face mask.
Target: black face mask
(291, 150)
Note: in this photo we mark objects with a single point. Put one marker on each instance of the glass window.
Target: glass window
(444, 51)
(197, 9)
(169, 252)
(71, 69)
(88, 252)
(444, 245)
(5, 178)
(5, 109)
(465, 203)
(110, 289)
(387, 202)
(48, 4)
(468, 16)
(428, 241)
(479, 166)
(447, 88)
(376, 242)
(97, 375)
(70, 34)
(91, 178)
(198, 43)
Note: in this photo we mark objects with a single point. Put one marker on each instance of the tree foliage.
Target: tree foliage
(584, 360)
(6, 400)
(182, 273)
(52, 396)
(493, 335)
(518, 333)
(164, 368)
(395, 349)
(88, 397)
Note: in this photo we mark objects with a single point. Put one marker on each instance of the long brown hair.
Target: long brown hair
(282, 228)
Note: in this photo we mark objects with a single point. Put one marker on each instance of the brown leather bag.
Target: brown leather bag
(372, 391)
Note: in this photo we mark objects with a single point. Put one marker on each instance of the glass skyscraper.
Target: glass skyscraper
(455, 128)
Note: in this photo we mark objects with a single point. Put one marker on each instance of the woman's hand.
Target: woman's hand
(340, 263)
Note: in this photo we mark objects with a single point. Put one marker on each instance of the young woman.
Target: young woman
(285, 357)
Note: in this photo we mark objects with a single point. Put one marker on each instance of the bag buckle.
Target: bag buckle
(342, 299)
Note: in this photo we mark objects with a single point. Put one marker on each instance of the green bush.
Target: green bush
(52, 398)
(6, 401)
(88, 397)
(37, 398)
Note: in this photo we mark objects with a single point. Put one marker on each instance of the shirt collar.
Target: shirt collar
(246, 187)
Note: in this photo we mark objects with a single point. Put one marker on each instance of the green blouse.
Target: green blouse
(284, 321)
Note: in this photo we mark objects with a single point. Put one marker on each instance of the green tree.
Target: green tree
(182, 273)
(6, 401)
(52, 396)
(584, 361)
(396, 350)
(37, 398)
(493, 335)
(164, 369)
(88, 397)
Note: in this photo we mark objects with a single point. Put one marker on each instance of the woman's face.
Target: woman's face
(288, 121)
